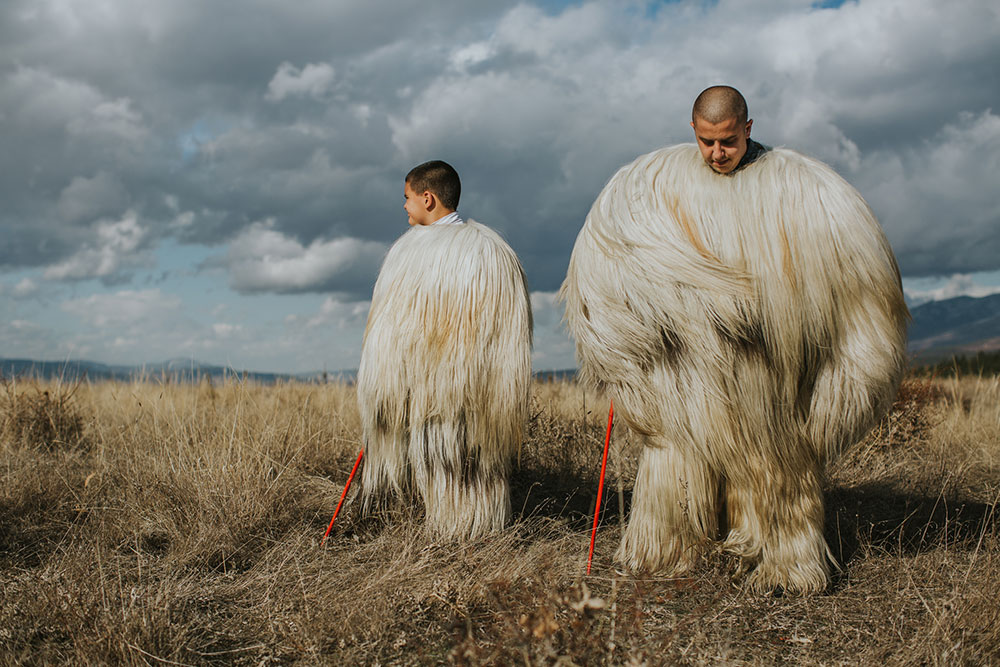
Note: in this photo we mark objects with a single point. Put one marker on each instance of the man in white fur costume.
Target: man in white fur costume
(445, 364)
(742, 308)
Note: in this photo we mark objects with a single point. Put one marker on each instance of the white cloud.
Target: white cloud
(137, 326)
(225, 330)
(115, 248)
(469, 55)
(808, 121)
(133, 312)
(85, 198)
(922, 290)
(43, 98)
(526, 29)
(22, 325)
(313, 80)
(264, 259)
(362, 113)
(937, 197)
(337, 314)
(328, 338)
(24, 338)
(82, 110)
(25, 288)
(183, 220)
(110, 119)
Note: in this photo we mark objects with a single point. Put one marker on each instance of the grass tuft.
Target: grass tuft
(40, 418)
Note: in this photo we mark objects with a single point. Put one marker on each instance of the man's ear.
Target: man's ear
(429, 200)
(749, 123)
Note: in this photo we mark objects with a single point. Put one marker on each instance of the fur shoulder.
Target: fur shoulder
(467, 243)
(449, 264)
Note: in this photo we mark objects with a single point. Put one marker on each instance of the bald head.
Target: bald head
(718, 104)
(719, 119)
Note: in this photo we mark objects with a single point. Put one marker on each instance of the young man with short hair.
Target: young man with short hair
(445, 364)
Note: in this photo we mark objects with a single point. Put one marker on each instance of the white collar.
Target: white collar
(452, 218)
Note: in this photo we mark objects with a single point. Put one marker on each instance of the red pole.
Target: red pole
(600, 484)
(342, 496)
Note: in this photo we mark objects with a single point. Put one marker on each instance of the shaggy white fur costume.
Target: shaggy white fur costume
(749, 327)
(444, 377)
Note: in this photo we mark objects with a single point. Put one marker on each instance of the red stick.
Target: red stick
(600, 485)
(342, 496)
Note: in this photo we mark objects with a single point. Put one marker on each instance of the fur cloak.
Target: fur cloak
(444, 379)
(750, 327)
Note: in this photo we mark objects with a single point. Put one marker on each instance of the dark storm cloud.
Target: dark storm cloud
(163, 109)
(229, 123)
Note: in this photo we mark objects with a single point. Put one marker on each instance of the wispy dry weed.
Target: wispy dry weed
(41, 418)
(181, 524)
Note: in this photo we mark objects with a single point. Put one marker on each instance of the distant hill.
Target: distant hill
(963, 325)
(173, 370)
(186, 370)
(960, 327)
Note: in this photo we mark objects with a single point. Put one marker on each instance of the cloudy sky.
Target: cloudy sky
(220, 180)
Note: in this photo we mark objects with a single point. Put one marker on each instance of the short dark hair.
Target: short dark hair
(718, 104)
(439, 178)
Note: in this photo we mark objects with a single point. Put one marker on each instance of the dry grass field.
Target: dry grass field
(164, 524)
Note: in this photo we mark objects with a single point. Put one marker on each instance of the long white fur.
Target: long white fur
(444, 379)
(750, 327)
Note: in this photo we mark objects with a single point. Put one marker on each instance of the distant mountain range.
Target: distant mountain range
(960, 326)
(173, 370)
(940, 329)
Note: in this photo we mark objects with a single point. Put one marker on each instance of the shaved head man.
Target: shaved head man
(743, 309)
(721, 126)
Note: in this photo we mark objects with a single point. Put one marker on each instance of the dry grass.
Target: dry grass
(164, 524)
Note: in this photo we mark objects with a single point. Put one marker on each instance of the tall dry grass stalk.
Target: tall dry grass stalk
(175, 524)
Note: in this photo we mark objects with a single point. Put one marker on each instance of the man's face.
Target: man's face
(722, 144)
(415, 206)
